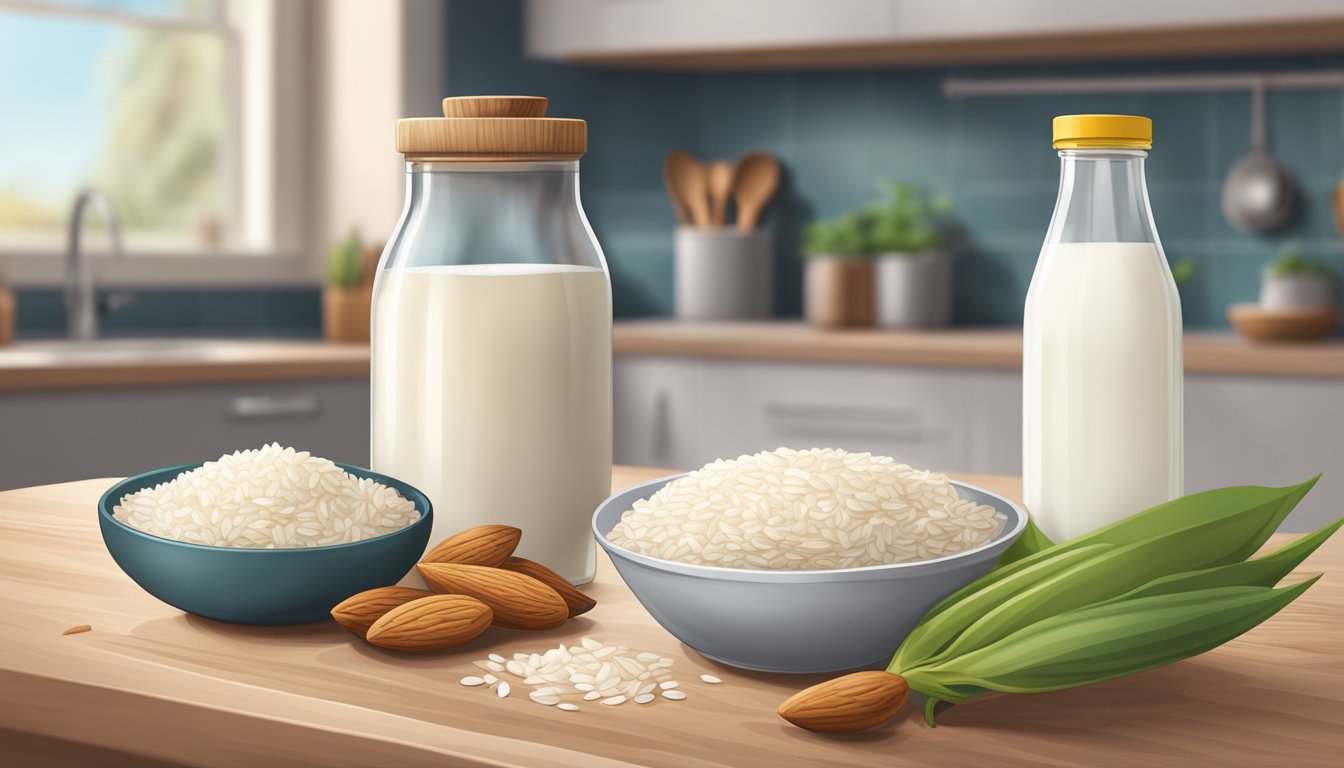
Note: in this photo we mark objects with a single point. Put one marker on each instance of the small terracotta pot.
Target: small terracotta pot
(8, 307)
(838, 292)
(345, 314)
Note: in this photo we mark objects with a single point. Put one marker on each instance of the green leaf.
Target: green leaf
(1245, 515)
(1262, 572)
(1103, 642)
(1031, 541)
(1291, 261)
(1110, 574)
(939, 628)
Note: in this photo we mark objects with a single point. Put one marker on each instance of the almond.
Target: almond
(487, 545)
(358, 612)
(519, 602)
(577, 601)
(850, 703)
(431, 623)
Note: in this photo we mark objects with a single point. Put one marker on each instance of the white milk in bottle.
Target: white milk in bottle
(1102, 363)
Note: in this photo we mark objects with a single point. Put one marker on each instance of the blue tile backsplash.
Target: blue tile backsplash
(838, 131)
(245, 312)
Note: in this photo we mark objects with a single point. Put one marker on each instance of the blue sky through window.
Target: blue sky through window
(53, 102)
(137, 110)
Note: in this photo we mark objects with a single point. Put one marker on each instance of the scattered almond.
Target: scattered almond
(77, 629)
(849, 703)
(358, 612)
(577, 601)
(431, 623)
(518, 601)
(484, 545)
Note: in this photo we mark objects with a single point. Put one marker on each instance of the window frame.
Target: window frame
(265, 162)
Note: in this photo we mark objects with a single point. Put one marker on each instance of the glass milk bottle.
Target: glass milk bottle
(491, 346)
(1102, 362)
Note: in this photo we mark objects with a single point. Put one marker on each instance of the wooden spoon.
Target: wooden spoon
(757, 181)
(722, 174)
(687, 182)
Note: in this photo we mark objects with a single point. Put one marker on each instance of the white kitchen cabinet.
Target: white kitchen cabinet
(788, 33)
(658, 411)
(60, 435)
(1239, 429)
(910, 414)
(684, 412)
(1268, 430)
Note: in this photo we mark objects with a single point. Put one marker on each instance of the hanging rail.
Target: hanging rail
(961, 88)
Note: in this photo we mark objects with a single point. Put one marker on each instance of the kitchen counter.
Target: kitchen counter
(159, 362)
(150, 683)
(994, 348)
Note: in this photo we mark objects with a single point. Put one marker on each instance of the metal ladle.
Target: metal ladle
(1258, 194)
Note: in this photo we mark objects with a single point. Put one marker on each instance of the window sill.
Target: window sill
(199, 269)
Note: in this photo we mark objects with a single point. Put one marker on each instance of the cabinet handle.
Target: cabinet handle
(897, 424)
(250, 407)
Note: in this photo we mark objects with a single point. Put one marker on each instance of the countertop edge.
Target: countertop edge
(956, 347)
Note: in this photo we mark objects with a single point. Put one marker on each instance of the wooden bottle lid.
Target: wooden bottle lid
(492, 129)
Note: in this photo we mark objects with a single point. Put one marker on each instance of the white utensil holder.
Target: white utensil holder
(724, 274)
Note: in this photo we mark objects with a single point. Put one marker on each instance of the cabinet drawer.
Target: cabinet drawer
(658, 411)
(912, 415)
(69, 435)
(1243, 430)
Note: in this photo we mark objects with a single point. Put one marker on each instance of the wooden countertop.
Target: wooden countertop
(993, 348)
(161, 362)
(150, 683)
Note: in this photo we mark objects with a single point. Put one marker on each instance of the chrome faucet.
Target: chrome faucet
(81, 302)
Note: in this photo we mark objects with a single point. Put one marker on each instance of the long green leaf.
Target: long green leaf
(1259, 507)
(1103, 642)
(934, 632)
(1031, 541)
(1262, 572)
(1110, 574)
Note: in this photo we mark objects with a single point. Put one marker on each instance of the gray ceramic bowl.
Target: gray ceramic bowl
(797, 621)
(260, 586)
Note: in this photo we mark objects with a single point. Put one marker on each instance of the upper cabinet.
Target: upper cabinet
(764, 34)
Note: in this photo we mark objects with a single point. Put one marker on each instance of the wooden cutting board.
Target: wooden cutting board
(149, 683)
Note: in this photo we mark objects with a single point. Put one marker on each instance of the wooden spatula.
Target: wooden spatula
(722, 174)
(687, 182)
(757, 181)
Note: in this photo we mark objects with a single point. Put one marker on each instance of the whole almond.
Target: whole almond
(431, 623)
(358, 612)
(487, 545)
(849, 703)
(577, 601)
(518, 601)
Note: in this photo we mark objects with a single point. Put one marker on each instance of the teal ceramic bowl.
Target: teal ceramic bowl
(260, 586)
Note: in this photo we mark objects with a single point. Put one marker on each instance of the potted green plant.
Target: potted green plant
(1294, 281)
(913, 276)
(347, 299)
(838, 282)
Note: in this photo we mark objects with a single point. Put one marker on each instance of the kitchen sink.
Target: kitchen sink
(122, 351)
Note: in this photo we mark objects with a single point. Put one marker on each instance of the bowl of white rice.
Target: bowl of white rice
(802, 561)
(270, 536)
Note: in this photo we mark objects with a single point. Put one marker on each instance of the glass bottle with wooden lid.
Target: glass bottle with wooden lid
(491, 342)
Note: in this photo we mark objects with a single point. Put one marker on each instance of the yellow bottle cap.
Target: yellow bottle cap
(1103, 132)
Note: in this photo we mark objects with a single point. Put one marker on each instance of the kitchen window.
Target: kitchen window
(186, 113)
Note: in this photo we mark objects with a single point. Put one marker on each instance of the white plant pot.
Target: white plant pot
(1297, 291)
(724, 274)
(914, 290)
